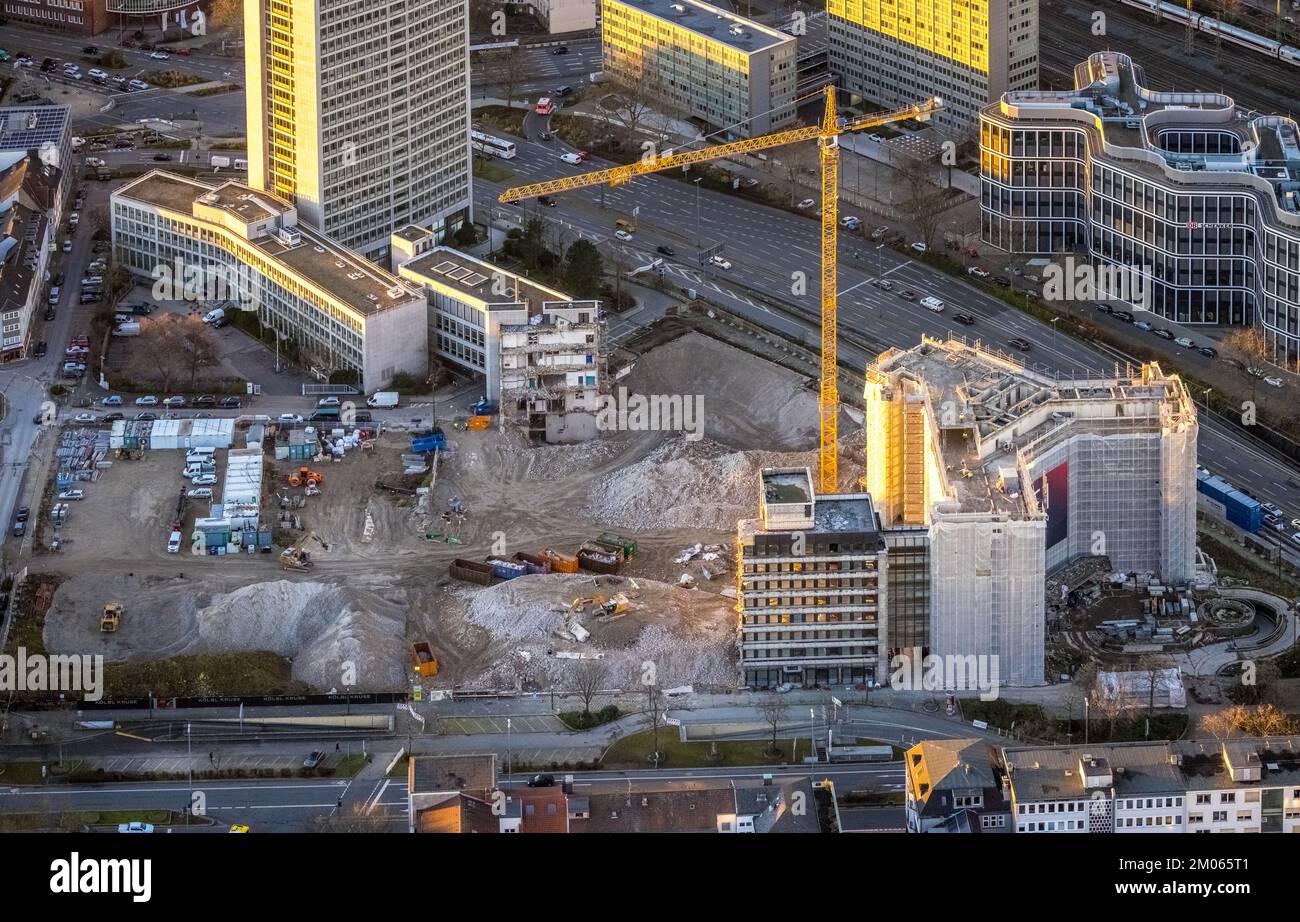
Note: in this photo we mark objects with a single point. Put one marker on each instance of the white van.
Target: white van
(213, 316)
(174, 543)
(199, 455)
(932, 304)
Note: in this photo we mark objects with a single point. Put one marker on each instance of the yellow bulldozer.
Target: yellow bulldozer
(111, 619)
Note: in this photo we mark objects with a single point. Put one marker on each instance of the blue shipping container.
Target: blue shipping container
(1242, 511)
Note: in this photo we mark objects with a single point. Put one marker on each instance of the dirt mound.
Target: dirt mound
(747, 402)
(333, 632)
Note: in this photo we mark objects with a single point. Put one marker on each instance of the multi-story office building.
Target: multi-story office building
(538, 350)
(955, 786)
(694, 60)
(811, 586)
(988, 475)
(1202, 198)
(341, 312)
(561, 16)
(968, 52)
(358, 114)
(78, 17)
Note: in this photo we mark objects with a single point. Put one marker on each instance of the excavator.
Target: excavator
(602, 605)
(304, 475)
(111, 619)
(296, 557)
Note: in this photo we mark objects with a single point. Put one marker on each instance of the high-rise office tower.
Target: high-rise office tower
(968, 52)
(358, 114)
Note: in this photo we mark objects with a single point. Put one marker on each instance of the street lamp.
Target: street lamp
(697, 181)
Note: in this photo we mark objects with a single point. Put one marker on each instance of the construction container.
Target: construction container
(597, 559)
(479, 423)
(533, 563)
(1239, 508)
(425, 663)
(560, 562)
(471, 571)
(625, 546)
(433, 441)
(506, 569)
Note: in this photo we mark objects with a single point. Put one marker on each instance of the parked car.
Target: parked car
(85, 418)
(1185, 342)
(148, 401)
(231, 403)
(200, 493)
(203, 480)
(314, 758)
(978, 271)
(1143, 325)
(1002, 280)
(327, 402)
(205, 400)
(880, 232)
(136, 826)
(162, 157)
(1163, 333)
(50, 314)
(97, 74)
(1275, 382)
(41, 349)
(112, 400)
(113, 417)
(20, 529)
(1021, 344)
(541, 781)
(1123, 315)
(806, 204)
(72, 495)
(1209, 352)
(289, 419)
(146, 417)
(966, 320)
(174, 401)
(919, 247)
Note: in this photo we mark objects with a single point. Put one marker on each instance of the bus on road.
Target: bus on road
(496, 147)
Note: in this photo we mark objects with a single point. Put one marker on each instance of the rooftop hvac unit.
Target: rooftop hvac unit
(290, 236)
(395, 292)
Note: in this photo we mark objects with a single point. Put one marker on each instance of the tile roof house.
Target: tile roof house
(955, 786)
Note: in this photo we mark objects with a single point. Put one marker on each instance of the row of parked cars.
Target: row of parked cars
(175, 401)
(1188, 343)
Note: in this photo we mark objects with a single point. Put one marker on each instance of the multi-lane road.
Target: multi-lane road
(775, 261)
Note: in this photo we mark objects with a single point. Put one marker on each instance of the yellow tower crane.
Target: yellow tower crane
(827, 136)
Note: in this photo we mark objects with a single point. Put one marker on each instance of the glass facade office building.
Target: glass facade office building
(1200, 198)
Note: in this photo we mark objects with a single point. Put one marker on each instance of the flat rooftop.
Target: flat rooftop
(845, 512)
(475, 279)
(1052, 772)
(314, 259)
(1112, 87)
(28, 127)
(786, 486)
(713, 23)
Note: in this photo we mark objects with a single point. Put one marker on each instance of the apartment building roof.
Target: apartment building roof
(713, 23)
(1263, 762)
(938, 769)
(457, 814)
(472, 772)
(30, 127)
(543, 810)
(697, 805)
(1058, 772)
(475, 280)
(26, 194)
(313, 259)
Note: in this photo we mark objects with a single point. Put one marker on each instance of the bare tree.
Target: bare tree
(774, 713)
(1081, 685)
(631, 106)
(1113, 709)
(506, 70)
(1250, 347)
(925, 199)
(1218, 724)
(157, 353)
(655, 712)
(1152, 666)
(199, 346)
(586, 678)
(797, 162)
(226, 14)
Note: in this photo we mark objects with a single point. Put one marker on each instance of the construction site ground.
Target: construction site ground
(349, 621)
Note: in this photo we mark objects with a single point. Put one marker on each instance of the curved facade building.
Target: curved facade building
(1201, 197)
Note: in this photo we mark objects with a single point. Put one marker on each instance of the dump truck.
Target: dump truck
(111, 619)
(626, 546)
(425, 662)
(471, 571)
(382, 400)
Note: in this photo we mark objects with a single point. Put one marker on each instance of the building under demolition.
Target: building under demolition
(810, 576)
(1000, 474)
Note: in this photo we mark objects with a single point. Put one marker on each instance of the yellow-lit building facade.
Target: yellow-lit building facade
(358, 114)
(967, 52)
(694, 60)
